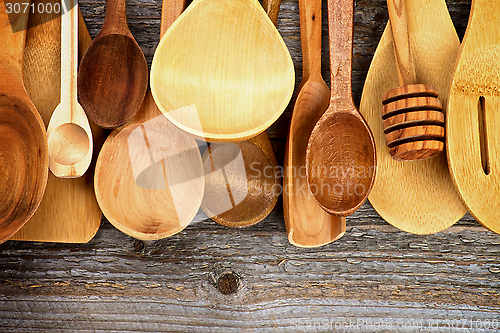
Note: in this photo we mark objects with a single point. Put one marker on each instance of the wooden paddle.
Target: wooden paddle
(473, 132)
(416, 196)
(69, 211)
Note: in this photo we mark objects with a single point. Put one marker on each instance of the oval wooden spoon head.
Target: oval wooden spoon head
(238, 80)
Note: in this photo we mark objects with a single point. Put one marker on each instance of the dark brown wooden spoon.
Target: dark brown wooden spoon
(113, 74)
(340, 158)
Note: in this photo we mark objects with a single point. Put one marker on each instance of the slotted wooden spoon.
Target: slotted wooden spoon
(149, 175)
(306, 222)
(473, 123)
(228, 63)
(23, 141)
(416, 196)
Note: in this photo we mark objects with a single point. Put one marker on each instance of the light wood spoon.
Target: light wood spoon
(306, 222)
(340, 157)
(228, 63)
(113, 74)
(24, 162)
(69, 135)
(473, 123)
(415, 196)
(149, 175)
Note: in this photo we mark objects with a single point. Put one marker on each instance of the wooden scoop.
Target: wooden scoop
(416, 196)
(69, 135)
(473, 133)
(227, 62)
(24, 162)
(149, 175)
(306, 222)
(340, 157)
(113, 74)
(412, 113)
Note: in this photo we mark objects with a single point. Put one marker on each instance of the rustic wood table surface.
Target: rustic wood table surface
(210, 278)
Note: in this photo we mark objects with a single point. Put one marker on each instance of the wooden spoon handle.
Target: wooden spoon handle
(310, 32)
(272, 8)
(69, 53)
(399, 26)
(115, 18)
(170, 11)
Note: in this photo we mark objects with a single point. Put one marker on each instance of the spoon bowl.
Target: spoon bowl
(76, 147)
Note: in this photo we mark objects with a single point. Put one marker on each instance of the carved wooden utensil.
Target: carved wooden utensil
(247, 203)
(412, 113)
(113, 74)
(473, 133)
(69, 211)
(416, 196)
(306, 222)
(233, 99)
(69, 135)
(149, 175)
(24, 162)
(340, 157)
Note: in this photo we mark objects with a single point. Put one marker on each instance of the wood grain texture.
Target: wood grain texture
(474, 143)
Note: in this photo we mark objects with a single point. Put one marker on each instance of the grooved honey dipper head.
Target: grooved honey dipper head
(413, 122)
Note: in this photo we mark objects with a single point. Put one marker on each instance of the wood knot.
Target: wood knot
(139, 246)
(225, 280)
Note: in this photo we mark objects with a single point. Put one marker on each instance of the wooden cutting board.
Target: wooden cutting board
(473, 122)
(418, 196)
(69, 211)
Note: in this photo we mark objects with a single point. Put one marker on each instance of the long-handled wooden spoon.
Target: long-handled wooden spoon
(69, 135)
(149, 175)
(306, 222)
(246, 202)
(473, 122)
(415, 196)
(24, 162)
(113, 74)
(226, 61)
(340, 158)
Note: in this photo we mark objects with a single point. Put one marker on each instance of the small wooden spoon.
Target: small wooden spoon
(227, 61)
(306, 222)
(69, 135)
(113, 74)
(149, 175)
(340, 157)
(24, 161)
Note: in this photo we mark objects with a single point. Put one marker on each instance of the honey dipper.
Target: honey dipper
(412, 114)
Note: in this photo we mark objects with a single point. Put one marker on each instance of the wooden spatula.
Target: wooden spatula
(473, 121)
(417, 196)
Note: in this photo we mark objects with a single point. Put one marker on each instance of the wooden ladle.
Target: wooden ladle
(412, 113)
(69, 135)
(113, 74)
(340, 158)
(24, 161)
(228, 63)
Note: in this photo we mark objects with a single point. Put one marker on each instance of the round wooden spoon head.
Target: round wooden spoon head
(236, 80)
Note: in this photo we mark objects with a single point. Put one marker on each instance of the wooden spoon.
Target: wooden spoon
(23, 142)
(306, 222)
(149, 175)
(228, 63)
(69, 135)
(229, 199)
(416, 196)
(473, 133)
(113, 74)
(340, 157)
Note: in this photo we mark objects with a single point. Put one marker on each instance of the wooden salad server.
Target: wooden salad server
(412, 114)
(69, 135)
(340, 155)
(230, 200)
(69, 212)
(149, 179)
(232, 100)
(24, 161)
(417, 196)
(473, 122)
(307, 224)
(113, 74)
